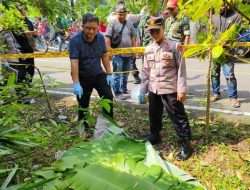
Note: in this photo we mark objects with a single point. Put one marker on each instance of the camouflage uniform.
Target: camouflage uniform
(144, 34)
(176, 29)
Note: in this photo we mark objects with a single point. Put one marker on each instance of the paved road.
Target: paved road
(59, 69)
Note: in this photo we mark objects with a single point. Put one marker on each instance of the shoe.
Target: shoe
(153, 139)
(185, 150)
(235, 103)
(121, 97)
(137, 81)
(125, 92)
(117, 94)
(214, 98)
(28, 101)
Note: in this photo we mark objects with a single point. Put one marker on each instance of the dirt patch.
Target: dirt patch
(243, 148)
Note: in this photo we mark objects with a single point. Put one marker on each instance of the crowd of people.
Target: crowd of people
(163, 74)
(57, 35)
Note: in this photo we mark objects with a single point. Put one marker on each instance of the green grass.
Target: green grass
(217, 162)
(220, 163)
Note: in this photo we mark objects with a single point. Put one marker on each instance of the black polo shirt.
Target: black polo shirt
(88, 53)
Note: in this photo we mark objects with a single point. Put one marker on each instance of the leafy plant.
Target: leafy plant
(212, 47)
(10, 19)
(113, 162)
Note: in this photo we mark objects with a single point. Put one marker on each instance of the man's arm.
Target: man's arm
(75, 70)
(74, 54)
(181, 76)
(106, 63)
(133, 40)
(108, 42)
(133, 36)
(186, 30)
(108, 35)
(187, 40)
(145, 76)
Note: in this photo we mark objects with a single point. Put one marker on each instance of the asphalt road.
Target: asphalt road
(58, 69)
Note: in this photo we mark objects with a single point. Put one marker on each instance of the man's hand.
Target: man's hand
(141, 98)
(181, 97)
(109, 79)
(31, 33)
(180, 48)
(78, 91)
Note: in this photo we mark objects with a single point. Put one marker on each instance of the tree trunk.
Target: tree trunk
(209, 82)
(72, 4)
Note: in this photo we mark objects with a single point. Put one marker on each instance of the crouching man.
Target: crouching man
(87, 52)
(164, 78)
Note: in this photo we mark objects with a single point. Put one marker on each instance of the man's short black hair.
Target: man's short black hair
(88, 17)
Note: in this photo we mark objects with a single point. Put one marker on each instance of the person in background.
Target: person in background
(121, 63)
(102, 27)
(37, 21)
(8, 40)
(177, 29)
(221, 23)
(26, 42)
(74, 29)
(144, 33)
(164, 78)
(135, 20)
(88, 51)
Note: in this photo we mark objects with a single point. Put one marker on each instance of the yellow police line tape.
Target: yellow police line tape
(116, 51)
(64, 69)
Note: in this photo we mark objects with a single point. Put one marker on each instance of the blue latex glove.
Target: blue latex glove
(109, 79)
(78, 91)
(141, 98)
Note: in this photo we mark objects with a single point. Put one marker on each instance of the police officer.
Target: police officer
(164, 78)
(87, 51)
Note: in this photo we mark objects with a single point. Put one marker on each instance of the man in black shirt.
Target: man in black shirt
(25, 67)
(25, 40)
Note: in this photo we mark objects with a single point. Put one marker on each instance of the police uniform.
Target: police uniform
(163, 76)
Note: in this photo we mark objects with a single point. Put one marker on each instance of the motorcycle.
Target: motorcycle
(243, 37)
(55, 41)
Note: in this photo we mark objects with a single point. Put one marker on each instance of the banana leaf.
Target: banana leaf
(112, 162)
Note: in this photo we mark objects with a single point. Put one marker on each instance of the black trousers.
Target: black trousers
(26, 70)
(99, 83)
(176, 113)
(134, 67)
